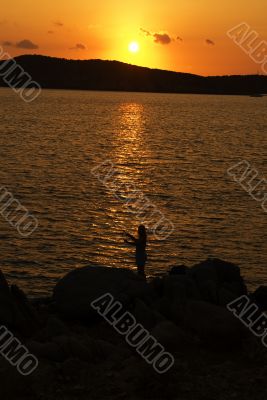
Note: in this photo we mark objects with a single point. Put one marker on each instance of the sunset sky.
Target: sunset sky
(180, 35)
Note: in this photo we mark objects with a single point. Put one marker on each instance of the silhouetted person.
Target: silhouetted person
(140, 246)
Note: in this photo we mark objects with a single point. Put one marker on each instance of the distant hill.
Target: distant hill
(56, 73)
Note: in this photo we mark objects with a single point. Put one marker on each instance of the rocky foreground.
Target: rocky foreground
(82, 357)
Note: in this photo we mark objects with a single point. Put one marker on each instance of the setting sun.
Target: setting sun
(134, 47)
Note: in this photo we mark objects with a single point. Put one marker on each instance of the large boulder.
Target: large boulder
(260, 297)
(145, 315)
(74, 293)
(7, 306)
(16, 312)
(218, 281)
(170, 336)
(214, 325)
(180, 288)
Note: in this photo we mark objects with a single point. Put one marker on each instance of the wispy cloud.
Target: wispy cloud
(58, 23)
(22, 44)
(7, 43)
(26, 44)
(147, 33)
(78, 46)
(50, 32)
(209, 42)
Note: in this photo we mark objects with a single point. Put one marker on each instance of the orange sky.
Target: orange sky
(103, 29)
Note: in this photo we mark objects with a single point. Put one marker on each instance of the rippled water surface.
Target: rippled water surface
(175, 149)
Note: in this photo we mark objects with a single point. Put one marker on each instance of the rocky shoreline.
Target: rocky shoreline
(82, 357)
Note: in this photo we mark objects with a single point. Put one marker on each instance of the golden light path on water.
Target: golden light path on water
(174, 149)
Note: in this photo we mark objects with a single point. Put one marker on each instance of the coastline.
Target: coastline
(110, 75)
(81, 355)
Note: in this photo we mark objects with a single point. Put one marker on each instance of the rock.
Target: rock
(49, 351)
(177, 311)
(15, 311)
(178, 270)
(101, 350)
(4, 288)
(156, 284)
(7, 309)
(180, 288)
(72, 368)
(74, 293)
(170, 336)
(214, 325)
(30, 318)
(54, 327)
(163, 306)
(208, 290)
(13, 384)
(145, 315)
(10, 313)
(225, 296)
(260, 297)
(212, 275)
(74, 347)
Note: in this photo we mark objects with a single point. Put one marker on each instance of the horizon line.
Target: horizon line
(133, 65)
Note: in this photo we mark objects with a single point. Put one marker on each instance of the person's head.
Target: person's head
(142, 231)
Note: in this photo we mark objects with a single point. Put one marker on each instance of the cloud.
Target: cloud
(162, 38)
(210, 42)
(50, 32)
(159, 37)
(58, 23)
(147, 33)
(78, 46)
(7, 43)
(26, 44)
